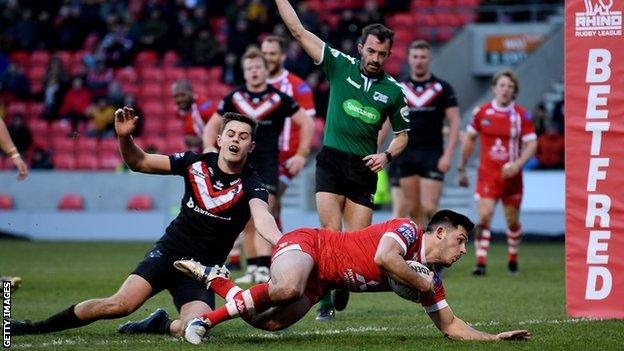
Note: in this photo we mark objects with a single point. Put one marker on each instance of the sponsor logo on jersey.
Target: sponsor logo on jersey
(485, 122)
(190, 203)
(154, 254)
(355, 281)
(352, 82)
(490, 111)
(408, 232)
(598, 20)
(367, 114)
(178, 155)
(380, 97)
(363, 284)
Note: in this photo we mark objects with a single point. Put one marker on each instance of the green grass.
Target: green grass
(57, 275)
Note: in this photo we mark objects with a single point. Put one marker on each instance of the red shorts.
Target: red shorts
(284, 175)
(494, 186)
(305, 240)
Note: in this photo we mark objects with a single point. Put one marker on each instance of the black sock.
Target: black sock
(63, 320)
(163, 328)
(252, 261)
(264, 261)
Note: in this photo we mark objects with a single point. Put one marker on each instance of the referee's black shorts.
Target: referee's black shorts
(420, 161)
(157, 268)
(345, 174)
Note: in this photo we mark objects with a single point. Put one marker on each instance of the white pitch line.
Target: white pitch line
(286, 333)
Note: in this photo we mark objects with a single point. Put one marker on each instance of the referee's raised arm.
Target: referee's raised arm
(312, 44)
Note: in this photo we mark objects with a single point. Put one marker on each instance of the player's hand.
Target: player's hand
(376, 162)
(444, 163)
(462, 178)
(125, 121)
(510, 169)
(22, 169)
(295, 164)
(514, 335)
(430, 284)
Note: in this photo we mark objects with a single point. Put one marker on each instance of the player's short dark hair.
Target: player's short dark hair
(253, 53)
(509, 74)
(281, 42)
(420, 44)
(232, 116)
(450, 218)
(378, 30)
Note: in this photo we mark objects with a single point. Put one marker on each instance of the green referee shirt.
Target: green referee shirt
(359, 105)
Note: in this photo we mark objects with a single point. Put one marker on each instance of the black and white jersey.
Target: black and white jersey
(269, 108)
(427, 103)
(215, 207)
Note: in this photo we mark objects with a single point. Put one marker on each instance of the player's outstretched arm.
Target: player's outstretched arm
(455, 328)
(312, 44)
(264, 221)
(306, 123)
(136, 159)
(211, 130)
(389, 258)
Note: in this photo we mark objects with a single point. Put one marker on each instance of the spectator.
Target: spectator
(41, 158)
(540, 119)
(23, 32)
(56, 69)
(257, 14)
(68, 29)
(52, 97)
(116, 46)
(76, 103)
(205, 48)
(550, 149)
(240, 37)
(115, 93)
(14, 81)
(297, 61)
(185, 44)
(101, 113)
(558, 120)
(232, 74)
(99, 77)
(20, 134)
(153, 32)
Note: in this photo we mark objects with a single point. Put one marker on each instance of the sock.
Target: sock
(225, 288)
(164, 327)
(246, 304)
(514, 237)
(252, 263)
(482, 244)
(264, 261)
(63, 320)
(325, 301)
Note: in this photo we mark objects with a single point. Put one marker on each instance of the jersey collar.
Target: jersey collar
(499, 108)
(279, 78)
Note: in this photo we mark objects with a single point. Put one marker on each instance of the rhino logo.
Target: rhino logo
(597, 7)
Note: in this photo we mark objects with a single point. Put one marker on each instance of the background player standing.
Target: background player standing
(362, 97)
(508, 141)
(221, 194)
(269, 107)
(421, 166)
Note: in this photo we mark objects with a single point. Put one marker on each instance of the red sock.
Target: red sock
(246, 303)
(224, 288)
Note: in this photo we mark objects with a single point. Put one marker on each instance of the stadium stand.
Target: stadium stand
(140, 202)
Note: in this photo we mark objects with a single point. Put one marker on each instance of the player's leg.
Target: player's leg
(330, 207)
(399, 204)
(200, 301)
(430, 193)
(249, 246)
(511, 206)
(411, 189)
(485, 208)
(131, 295)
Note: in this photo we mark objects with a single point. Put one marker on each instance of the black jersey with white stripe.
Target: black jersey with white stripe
(214, 208)
(269, 108)
(427, 103)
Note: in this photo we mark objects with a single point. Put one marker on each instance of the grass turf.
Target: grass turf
(57, 275)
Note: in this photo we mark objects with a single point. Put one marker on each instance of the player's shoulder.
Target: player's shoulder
(337, 54)
(484, 107)
(392, 84)
(521, 111)
(205, 104)
(445, 85)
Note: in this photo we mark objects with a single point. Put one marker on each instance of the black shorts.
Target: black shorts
(157, 268)
(421, 162)
(393, 173)
(267, 168)
(345, 174)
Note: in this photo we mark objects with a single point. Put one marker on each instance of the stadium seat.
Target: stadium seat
(151, 90)
(6, 202)
(109, 160)
(146, 59)
(36, 73)
(174, 144)
(71, 202)
(153, 127)
(198, 74)
(151, 75)
(86, 145)
(39, 58)
(62, 144)
(87, 162)
(16, 107)
(64, 161)
(38, 127)
(174, 73)
(108, 145)
(154, 142)
(154, 110)
(20, 57)
(171, 59)
(60, 128)
(65, 57)
(35, 110)
(126, 75)
(172, 124)
(140, 203)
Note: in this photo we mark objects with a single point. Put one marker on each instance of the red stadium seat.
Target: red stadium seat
(109, 160)
(198, 74)
(20, 57)
(38, 127)
(65, 57)
(63, 144)
(172, 124)
(174, 73)
(108, 145)
(153, 127)
(40, 58)
(155, 143)
(85, 145)
(140, 203)
(146, 59)
(154, 110)
(126, 75)
(71, 202)
(64, 161)
(171, 59)
(6, 202)
(87, 162)
(151, 91)
(36, 73)
(35, 110)
(16, 107)
(61, 128)
(174, 144)
(151, 75)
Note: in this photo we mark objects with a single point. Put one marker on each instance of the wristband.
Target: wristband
(388, 155)
(15, 155)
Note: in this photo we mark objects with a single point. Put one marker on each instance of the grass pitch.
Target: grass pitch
(57, 275)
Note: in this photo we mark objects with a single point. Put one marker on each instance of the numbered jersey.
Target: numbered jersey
(502, 131)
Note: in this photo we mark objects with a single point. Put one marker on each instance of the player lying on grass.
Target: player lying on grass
(308, 262)
(221, 193)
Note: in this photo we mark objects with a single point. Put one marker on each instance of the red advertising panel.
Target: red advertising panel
(594, 118)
